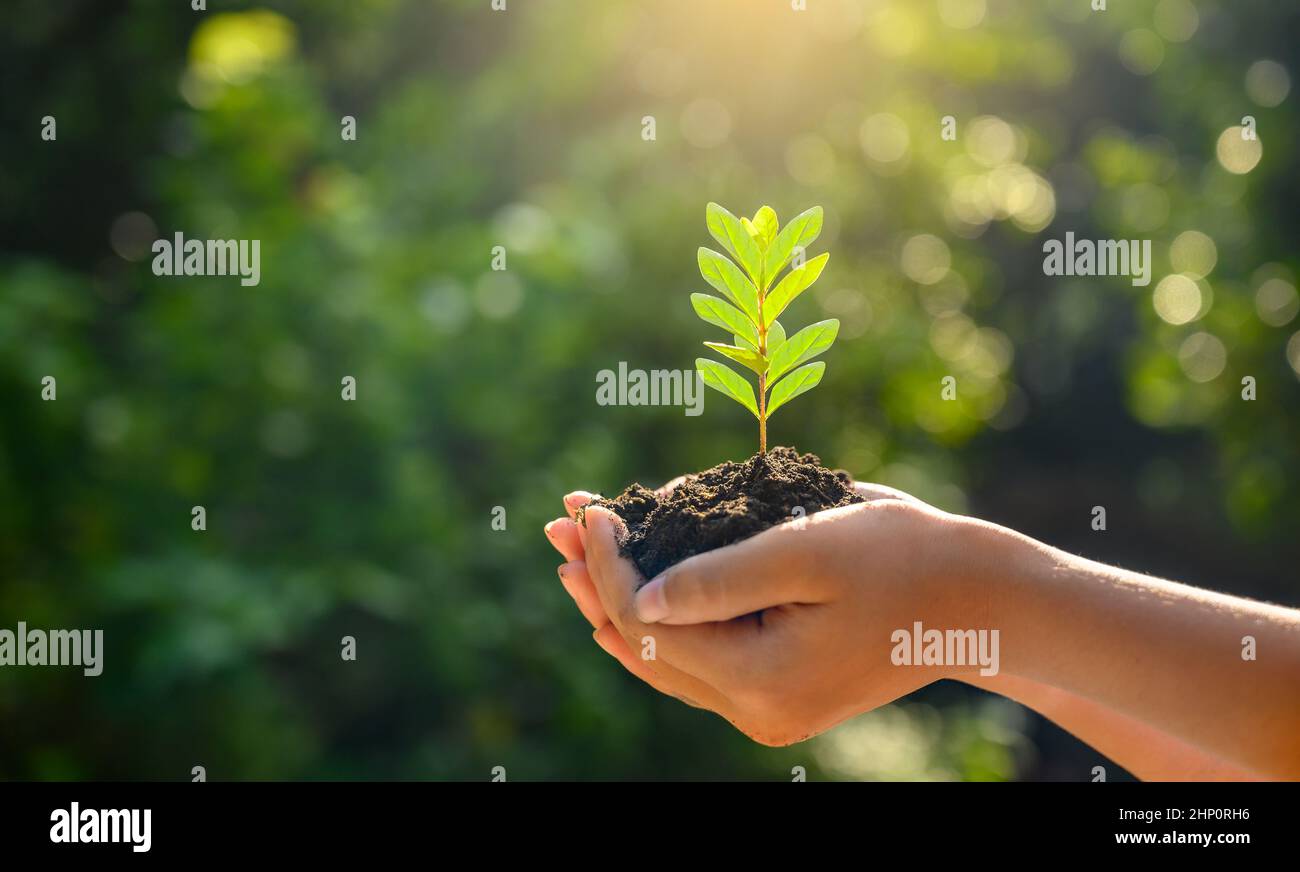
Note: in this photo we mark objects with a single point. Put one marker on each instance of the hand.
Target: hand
(569, 539)
(786, 633)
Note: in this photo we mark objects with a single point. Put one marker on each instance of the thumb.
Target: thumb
(767, 570)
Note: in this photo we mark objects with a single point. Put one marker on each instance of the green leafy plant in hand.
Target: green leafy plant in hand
(751, 302)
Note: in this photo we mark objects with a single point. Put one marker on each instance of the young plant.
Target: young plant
(761, 248)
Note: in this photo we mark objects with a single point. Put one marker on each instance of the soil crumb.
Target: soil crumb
(725, 504)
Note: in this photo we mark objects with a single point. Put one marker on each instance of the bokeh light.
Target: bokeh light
(1277, 302)
(993, 142)
(1142, 51)
(1176, 20)
(1177, 299)
(1202, 357)
(810, 160)
(1267, 83)
(706, 123)
(1193, 253)
(885, 139)
(1293, 352)
(962, 14)
(235, 47)
(1236, 153)
(925, 258)
(132, 234)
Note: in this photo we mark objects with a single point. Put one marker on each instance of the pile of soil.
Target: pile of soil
(725, 504)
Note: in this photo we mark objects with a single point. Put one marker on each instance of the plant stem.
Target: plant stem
(762, 379)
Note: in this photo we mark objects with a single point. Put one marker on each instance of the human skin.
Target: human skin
(1147, 671)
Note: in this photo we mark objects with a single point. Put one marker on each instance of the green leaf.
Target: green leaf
(751, 230)
(740, 354)
(724, 380)
(775, 338)
(801, 231)
(802, 380)
(794, 284)
(727, 278)
(732, 235)
(804, 345)
(766, 226)
(726, 316)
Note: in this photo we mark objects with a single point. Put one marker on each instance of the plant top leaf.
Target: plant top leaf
(801, 231)
(765, 226)
(732, 235)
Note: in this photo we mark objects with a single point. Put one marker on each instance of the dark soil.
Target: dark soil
(725, 504)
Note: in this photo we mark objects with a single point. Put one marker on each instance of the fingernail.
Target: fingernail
(593, 518)
(563, 572)
(650, 603)
(601, 642)
(547, 529)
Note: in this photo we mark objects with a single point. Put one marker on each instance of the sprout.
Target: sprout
(762, 248)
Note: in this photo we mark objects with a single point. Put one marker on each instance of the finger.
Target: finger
(668, 487)
(662, 676)
(882, 492)
(715, 653)
(767, 570)
(563, 534)
(578, 583)
(576, 500)
(615, 577)
(659, 675)
(608, 638)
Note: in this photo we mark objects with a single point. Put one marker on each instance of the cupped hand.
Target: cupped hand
(788, 632)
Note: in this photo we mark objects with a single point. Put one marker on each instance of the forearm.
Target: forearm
(1143, 750)
(1159, 653)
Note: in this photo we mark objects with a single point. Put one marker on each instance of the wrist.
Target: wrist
(985, 580)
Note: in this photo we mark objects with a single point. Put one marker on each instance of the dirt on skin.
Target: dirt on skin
(725, 504)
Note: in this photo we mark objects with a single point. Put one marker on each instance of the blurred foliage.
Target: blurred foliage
(476, 388)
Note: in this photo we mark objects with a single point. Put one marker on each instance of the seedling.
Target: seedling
(761, 248)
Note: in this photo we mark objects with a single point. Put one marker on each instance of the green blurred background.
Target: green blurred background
(476, 388)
